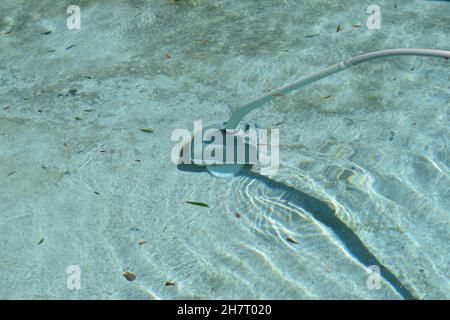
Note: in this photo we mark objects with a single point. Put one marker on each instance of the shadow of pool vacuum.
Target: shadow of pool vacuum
(323, 213)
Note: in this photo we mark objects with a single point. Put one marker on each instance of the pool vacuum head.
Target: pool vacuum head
(225, 152)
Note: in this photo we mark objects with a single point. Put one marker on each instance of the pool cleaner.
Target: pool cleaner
(211, 146)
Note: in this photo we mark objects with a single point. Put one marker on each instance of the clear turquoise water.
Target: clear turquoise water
(364, 158)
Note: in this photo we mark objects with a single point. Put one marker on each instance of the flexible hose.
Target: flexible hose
(239, 114)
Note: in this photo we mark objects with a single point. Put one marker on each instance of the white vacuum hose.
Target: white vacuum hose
(239, 114)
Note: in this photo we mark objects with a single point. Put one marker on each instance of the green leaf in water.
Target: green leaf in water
(147, 130)
(200, 204)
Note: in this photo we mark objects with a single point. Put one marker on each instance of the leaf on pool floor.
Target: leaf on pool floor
(147, 130)
(200, 204)
(237, 215)
(129, 276)
(168, 283)
(289, 239)
(40, 241)
(338, 28)
(278, 94)
(142, 242)
(325, 98)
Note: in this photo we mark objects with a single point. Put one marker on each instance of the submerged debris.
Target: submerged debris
(147, 130)
(278, 94)
(338, 28)
(291, 240)
(391, 137)
(40, 241)
(129, 276)
(168, 283)
(142, 242)
(237, 215)
(167, 55)
(327, 97)
(200, 204)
